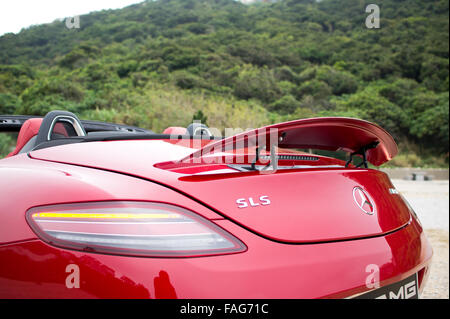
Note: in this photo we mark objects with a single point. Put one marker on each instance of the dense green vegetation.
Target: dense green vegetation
(159, 63)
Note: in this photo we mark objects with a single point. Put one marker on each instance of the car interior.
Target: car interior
(62, 127)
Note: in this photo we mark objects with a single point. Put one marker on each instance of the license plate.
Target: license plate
(406, 289)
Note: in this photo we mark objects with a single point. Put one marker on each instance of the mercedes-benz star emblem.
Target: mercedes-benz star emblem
(363, 201)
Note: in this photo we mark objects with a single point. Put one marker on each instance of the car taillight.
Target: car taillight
(131, 228)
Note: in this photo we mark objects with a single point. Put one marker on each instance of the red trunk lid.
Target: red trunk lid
(312, 205)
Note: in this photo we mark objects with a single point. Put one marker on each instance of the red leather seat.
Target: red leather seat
(30, 129)
(174, 130)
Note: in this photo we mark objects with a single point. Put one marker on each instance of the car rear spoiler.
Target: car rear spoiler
(358, 137)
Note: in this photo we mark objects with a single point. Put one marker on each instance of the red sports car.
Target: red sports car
(99, 210)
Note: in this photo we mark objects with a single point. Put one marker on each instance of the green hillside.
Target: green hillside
(159, 63)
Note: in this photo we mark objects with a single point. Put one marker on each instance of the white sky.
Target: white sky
(18, 14)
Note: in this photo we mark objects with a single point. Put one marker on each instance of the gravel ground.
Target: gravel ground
(430, 200)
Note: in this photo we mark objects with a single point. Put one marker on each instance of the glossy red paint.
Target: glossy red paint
(312, 241)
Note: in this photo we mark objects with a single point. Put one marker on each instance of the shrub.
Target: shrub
(256, 83)
(8, 103)
(286, 105)
(186, 80)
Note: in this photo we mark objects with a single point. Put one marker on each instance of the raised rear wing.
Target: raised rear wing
(358, 137)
